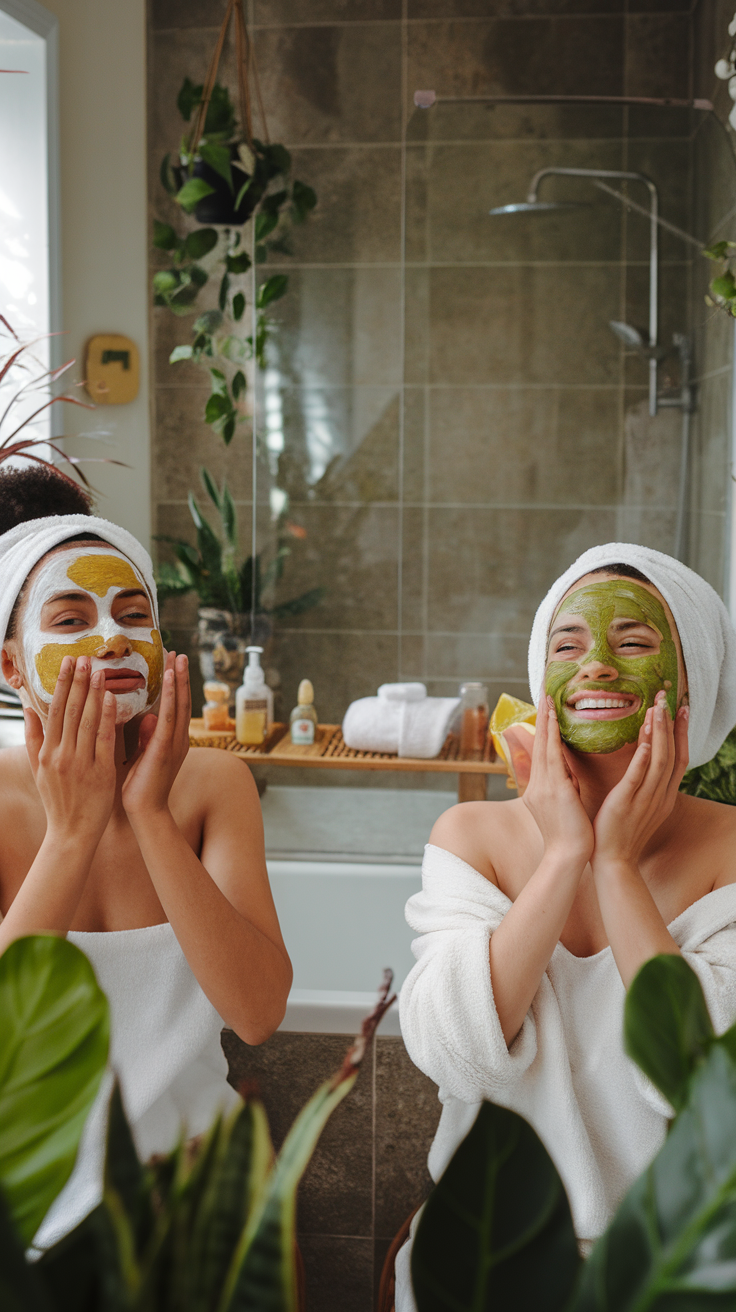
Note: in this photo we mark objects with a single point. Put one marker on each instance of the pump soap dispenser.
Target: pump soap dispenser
(253, 703)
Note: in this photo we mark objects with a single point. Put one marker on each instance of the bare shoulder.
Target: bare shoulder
(215, 774)
(16, 777)
(474, 831)
(712, 826)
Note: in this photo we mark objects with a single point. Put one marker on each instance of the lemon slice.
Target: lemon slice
(510, 711)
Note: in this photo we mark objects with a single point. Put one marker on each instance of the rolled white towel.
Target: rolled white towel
(405, 723)
(402, 692)
(372, 725)
(424, 726)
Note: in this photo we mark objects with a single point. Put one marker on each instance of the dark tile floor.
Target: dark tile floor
(369, 1169)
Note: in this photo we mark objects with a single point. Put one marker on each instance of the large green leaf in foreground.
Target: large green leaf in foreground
(54, 1037)
(667, 1029)
(671, 1246)
(496, 1233)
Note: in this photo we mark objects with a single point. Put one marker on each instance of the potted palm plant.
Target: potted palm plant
(233, 591)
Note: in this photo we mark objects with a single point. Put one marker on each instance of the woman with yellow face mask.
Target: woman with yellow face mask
(536, 913)
(149, 857)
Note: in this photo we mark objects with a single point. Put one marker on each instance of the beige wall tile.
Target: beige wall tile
(558, 331)
(517, 445)
(320, 84)
(340, 326)
(657, 54)
(325, 11)
(505, 122)
(342, 667)
(358, 213)
(351, 551)
(510, 8)
(578, 55)
(489, 569)
(340, 444)
(184, 442)
(453, 187)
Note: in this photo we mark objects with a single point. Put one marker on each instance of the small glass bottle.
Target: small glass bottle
(474, 721)
(303, 718)
(215, 711)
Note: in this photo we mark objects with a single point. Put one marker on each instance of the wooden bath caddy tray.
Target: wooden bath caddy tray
(329, 752)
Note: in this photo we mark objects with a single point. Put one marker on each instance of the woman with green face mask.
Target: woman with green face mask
(536, 913)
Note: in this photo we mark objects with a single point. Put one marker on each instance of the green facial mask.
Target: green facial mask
(599, 604)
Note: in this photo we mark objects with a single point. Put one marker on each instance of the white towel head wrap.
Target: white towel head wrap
(706, 634)
(23, 546)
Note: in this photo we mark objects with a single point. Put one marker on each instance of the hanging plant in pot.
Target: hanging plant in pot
(225, 175)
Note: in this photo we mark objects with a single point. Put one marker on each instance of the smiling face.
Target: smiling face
(611, 650)
(86, 600)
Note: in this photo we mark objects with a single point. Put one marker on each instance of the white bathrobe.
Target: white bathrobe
(165, 1050)
(566, 1072)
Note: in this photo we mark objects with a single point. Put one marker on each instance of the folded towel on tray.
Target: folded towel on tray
(402, 719)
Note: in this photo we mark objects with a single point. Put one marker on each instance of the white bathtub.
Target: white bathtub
(343, 922)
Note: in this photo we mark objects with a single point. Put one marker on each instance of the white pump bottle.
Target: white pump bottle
(253, 703)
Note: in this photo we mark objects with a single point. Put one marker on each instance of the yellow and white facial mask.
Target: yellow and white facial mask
(101, 574)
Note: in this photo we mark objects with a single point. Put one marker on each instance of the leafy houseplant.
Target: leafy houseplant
(226, 176)
(496, 1233)
(723, 287)
(33, 397)
(231, 591)
(209, 1227)
(716, 779)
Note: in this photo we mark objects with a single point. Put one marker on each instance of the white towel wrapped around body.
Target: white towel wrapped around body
(401, 719)
(165, 1050)
(706, 634)
(566, 1072)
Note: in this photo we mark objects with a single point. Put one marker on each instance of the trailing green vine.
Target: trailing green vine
(251, 181)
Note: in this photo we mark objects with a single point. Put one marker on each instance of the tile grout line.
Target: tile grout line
(402, 345)
(373, 1169)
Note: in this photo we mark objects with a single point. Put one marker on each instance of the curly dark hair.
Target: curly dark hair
(37, 491)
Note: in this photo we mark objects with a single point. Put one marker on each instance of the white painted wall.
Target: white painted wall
(102, 130)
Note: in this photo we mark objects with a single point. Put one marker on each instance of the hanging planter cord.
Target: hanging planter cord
(246, 62)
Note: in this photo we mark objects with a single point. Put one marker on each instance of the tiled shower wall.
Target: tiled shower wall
(713, 218)
(445, 478)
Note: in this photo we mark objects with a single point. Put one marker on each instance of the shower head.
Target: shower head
(627, 334)
(539, 206)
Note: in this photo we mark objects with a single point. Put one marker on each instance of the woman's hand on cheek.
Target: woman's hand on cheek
(73, 759)
(553, 794)
(634, 810)
(163, 743)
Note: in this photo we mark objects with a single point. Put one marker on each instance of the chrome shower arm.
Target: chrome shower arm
(594, 174)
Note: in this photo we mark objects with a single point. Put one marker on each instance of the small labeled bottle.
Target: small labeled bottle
(474, 721)
(304, 717)
(215, 710)
(253, 703)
